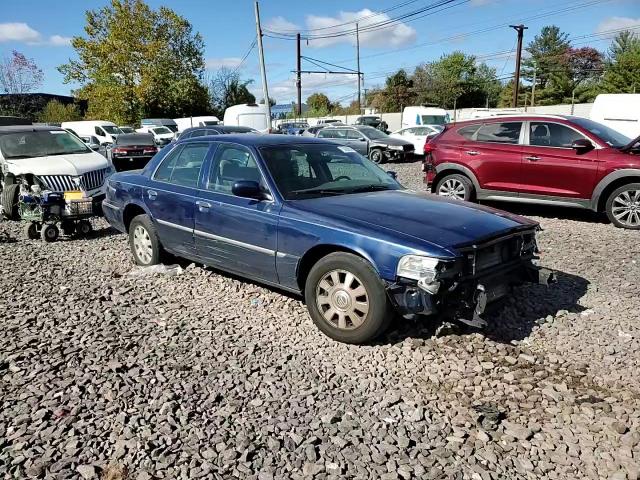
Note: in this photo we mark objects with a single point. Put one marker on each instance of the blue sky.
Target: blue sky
(41, 29)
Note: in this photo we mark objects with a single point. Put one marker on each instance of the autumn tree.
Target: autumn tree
(19, 75)
(319, 105)
(134, 61)
(57, 112)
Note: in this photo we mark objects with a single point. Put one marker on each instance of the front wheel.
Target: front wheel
(455, 186)
(623, 206)
(376, 156)
(9, 199)
(346, 299)
(144, 242)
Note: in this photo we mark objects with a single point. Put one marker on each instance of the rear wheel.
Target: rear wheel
(84, 227)
(144, 242)
(50, 232)
(9, 199)
(346, 299)
(623, 206)
(31, 231)
(455, 186)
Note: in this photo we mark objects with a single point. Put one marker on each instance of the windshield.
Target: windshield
(318, 170)
(610, 136)
(160, 130)
(40, 143)
(433, 119)
(373, 134)
(111, 130)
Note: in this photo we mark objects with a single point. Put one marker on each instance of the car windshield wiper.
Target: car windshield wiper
(374, 187)
(322, 191)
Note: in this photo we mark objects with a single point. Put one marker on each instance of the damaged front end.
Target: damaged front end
(460, 289)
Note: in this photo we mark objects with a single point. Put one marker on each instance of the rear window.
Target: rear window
(507, 132)
(132, 139)
(469, 131)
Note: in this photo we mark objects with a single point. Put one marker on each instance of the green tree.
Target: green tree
(227, 89)
(319, 105)
(135, 61)
(546, 53)
(623, 42)
(622, 71)
(57, 112)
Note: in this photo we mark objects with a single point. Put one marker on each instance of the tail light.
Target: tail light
(119, 150)
(150, 150)
(429, 147)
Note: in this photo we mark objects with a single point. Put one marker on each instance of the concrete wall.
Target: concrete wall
(394, 119)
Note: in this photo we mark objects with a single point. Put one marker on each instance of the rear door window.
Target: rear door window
(327, 133)
(469, 131)
(506, 132)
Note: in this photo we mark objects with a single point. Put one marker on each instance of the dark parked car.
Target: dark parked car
(132, 151)
(372, 121)
(312, 131)
(292, 128)
(214, 130)
(553, 160)
(316, 218)
(368, 141)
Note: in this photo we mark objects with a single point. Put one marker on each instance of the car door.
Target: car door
(171, 196)
(357, 141)
(235, 233)
(494, 153)
(551, 167)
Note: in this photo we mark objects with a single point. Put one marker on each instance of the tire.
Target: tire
(455, 186)
(337, 282)
(31, 231)
(9, 201)
(49, 233)
(144, 242)
(623, 206)
(376, 156)
(84, 228)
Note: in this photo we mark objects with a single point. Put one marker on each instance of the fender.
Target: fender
(460, 168)
(606, 181)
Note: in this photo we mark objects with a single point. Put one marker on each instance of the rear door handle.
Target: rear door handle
(532, 158)
(472, 152)
(203, 206)
(152, 194)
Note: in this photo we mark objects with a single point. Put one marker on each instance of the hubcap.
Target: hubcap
(142, 244)
(452, 188)
(342, 299)
(626, 208)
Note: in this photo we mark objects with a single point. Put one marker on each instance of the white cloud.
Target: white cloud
(18, 32)
(616, 23)
(228, 62)
(281, 24)
(394, 35)
(285, 90)
(21, 32)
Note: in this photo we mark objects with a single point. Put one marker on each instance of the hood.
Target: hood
(391, 141)
(75, 164)
(630, 145)
(424, 217)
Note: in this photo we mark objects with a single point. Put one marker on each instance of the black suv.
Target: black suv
(368, 141)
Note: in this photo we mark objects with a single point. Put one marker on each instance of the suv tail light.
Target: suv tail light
(429, 147)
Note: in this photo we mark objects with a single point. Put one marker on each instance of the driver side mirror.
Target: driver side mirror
(582, 145)
(392, 174)
(247, 189)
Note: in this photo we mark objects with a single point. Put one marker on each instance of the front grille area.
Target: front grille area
(482, 259)
(408, 148)
(65, 183)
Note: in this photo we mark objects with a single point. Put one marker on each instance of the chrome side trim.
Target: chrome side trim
(237, 243)
(174, 225)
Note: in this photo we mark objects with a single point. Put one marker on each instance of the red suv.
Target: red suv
(547, 159)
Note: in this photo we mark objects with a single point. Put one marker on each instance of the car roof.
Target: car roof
(515, 117)
(219, 128)
(259, 140)
(28, 128)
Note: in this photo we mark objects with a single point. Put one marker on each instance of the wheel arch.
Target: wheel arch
(449, 168)
(131, 211)
(609, 183)
(314, 254)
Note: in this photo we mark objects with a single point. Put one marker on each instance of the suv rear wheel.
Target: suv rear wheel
(623, 206)
(346, 299)
(455, 186)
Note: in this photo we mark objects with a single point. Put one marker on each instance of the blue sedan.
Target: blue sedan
(318, 219)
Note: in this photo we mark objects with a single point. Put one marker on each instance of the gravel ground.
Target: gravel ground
(201, 375)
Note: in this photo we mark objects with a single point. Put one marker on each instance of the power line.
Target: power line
(246, 55)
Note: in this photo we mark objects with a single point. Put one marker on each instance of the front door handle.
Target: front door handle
(532, 158)
(472, 152)
(152, 194)
(203, 206)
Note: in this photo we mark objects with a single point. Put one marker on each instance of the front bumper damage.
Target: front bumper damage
(466, 299)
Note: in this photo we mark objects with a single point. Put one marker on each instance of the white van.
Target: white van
(161, 134)
(249, 115)
(105, 132)
(620, 111)
(202, 121)
(418, 116)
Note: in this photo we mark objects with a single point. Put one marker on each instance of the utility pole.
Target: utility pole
(520, 29)
(298, 77)
(265, 89)
(358, 67)
(533, 87)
